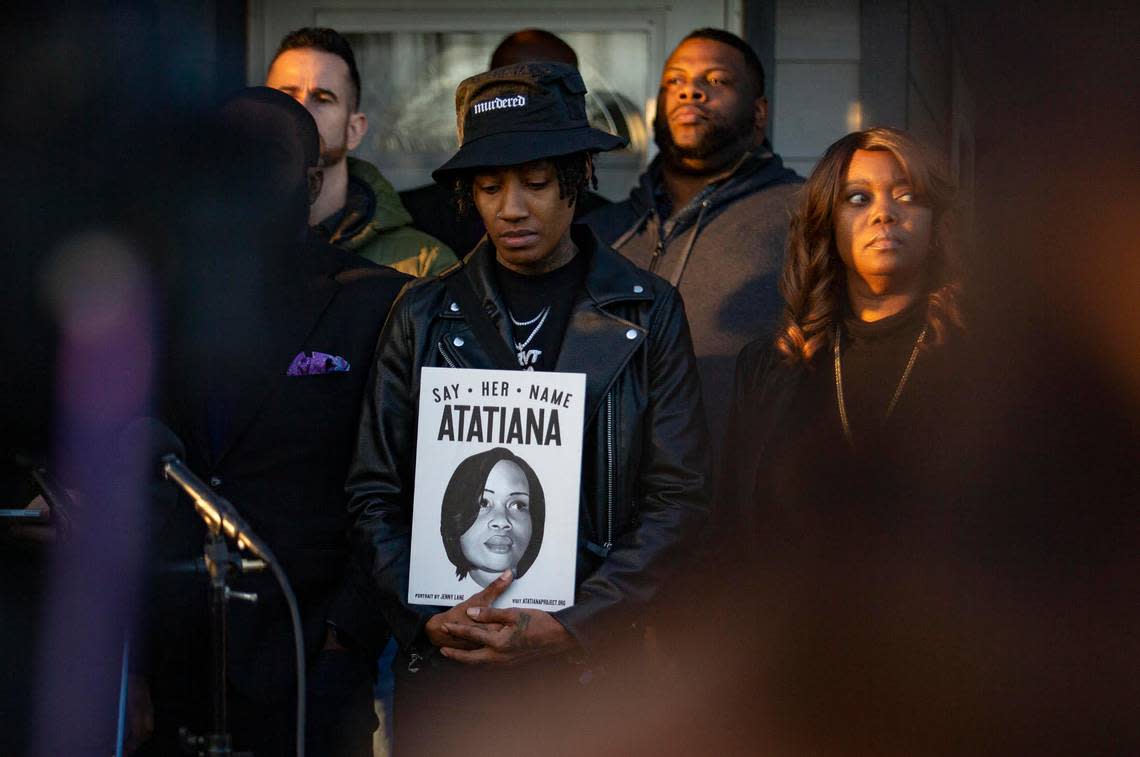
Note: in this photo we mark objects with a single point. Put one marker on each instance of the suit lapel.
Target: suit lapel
(289, 322)
(598, 342)
(468, 351)
(188, 403)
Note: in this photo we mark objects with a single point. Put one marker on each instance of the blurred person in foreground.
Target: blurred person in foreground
(467, 675)
(433, 206)
(357, 209)
(710, 214)
(272, 334)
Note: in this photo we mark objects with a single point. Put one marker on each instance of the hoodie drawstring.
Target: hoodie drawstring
(675, 279)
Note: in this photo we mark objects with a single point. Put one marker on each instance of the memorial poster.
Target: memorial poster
(498, 470)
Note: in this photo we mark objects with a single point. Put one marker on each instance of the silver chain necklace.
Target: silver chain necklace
(517, 322)
(540, 319)
(898, 389)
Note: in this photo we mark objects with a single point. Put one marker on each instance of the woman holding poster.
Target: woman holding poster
(594, 377)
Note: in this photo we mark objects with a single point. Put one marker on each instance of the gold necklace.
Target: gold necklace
(839, 382)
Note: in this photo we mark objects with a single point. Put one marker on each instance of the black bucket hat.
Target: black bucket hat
(520, 113)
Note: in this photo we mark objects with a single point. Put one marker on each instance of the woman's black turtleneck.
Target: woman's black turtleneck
(806, 466)
(873, 357)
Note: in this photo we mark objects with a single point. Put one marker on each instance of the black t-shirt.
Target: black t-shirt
(539, 308)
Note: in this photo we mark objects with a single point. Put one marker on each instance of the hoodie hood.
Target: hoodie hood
(376, 225)
(388, 212)
(759, 169)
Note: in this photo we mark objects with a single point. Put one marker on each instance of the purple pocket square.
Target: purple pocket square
(316, 364)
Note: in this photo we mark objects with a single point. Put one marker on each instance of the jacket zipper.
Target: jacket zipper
(609, 471)
(446, 359)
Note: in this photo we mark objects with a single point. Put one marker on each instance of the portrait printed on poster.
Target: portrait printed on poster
(498, 467)
(492, 516)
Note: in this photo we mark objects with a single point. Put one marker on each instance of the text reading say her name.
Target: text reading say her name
(535, 393)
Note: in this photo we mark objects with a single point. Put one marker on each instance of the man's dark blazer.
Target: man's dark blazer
(282, 462)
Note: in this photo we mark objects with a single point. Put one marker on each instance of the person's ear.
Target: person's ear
(760, 117)
(589, 179)
(357, 128)
(316, 182)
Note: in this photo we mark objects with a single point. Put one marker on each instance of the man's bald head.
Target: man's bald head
(261, 152)
(533, 45)
(265, 124)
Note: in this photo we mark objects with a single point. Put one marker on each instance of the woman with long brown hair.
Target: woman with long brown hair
(858, 364)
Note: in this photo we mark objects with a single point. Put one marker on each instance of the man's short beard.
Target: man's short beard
(719, 135)
(330, 156)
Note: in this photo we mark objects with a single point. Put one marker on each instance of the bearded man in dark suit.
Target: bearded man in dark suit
(271, 337)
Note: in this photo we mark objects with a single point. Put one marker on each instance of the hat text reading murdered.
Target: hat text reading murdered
(498, 103)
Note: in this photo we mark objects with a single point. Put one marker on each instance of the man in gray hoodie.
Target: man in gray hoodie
(711, 212)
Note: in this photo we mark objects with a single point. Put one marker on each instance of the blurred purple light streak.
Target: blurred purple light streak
(103, 303)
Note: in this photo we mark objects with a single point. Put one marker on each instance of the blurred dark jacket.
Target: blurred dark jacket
(281, 459)
(788, 474)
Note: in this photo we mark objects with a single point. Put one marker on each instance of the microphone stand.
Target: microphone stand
(221, 521)
(221, 562)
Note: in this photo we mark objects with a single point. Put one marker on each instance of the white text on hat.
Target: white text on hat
(518, 101)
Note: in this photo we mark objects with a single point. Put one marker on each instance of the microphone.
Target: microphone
(154, 436)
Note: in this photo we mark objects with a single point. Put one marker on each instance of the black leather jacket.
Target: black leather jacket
(645, 472)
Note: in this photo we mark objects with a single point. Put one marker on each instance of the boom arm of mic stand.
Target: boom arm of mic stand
(215, 518)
